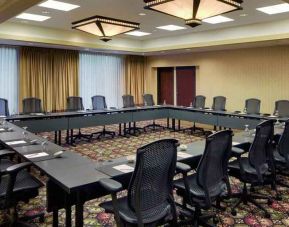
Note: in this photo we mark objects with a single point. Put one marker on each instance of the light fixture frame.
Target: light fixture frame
(107, 20)
(193, 22)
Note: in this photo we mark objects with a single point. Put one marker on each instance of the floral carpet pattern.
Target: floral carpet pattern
(247, 215)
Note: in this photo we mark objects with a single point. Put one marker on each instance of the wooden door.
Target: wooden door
(186, 85)
(166, 85)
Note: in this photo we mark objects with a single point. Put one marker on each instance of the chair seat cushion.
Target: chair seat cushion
(197, 192)
(278, 157)
(4, 164)
(129, 216)
(26, 187)
(250, 176)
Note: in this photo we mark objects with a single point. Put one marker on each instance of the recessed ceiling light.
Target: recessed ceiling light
(217, 20)
(34, 17)
(63, 6)
(45, 12)
(243, 15)
(142, 14)
(280, 8)
(171, 27)
(137, 33)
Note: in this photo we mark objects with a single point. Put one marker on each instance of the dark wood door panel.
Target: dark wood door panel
(186, 85)
(166, 85)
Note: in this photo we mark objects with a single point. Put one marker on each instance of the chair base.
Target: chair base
(133, 130)
(245, 198)
(196, 218)
(72, 139)
(103, 134)
(154, 127)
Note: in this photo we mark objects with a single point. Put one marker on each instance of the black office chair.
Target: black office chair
(4, 110)
(5, 159)
(281, 155)
(74, 103)
(99, 103)
(148, 100)
(150, 200)
(198, 103)
(252, 106)
(31, 105)
(254, 169)
(219, 103)
(204, 189)
(282, 106)
(17, 185)
(128, 101)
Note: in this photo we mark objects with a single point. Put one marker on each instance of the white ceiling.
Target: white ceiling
(129, 10)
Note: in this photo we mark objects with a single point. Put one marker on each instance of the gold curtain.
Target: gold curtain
(48, 74)
(135, 70)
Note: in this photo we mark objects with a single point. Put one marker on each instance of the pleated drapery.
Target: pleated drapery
(48, 74)
(135, 70)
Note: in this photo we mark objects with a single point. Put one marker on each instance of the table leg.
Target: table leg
(119, 129)
(79, 215)
(55, 218)
(179, 125)
(68, 216)
(174, 124)
(55, 137)
(59, 137)
(168, 123)
(71, 136)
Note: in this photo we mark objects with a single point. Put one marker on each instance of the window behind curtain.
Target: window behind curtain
(101, 74)
(9, 77)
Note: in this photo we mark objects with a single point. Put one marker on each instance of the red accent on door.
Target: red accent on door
(186, 85)
(166, 85)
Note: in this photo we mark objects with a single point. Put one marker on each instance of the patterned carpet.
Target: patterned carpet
(113, 148)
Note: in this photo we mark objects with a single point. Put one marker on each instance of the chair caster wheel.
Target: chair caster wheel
(267, 215)
(270, 202)
(279, 198)
(215, 220)
(233, 212)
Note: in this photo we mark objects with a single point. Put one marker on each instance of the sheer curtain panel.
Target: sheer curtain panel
(101, 74)
(9, 77)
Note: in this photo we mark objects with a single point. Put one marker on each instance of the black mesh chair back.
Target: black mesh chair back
(258, 152)
(32, 105)
(98, 102)
(283, 145)
(212, 168)
(219, 103)
(152, 182)
(148, 100)
(74, 103)
(128, 101)
(4, 110)
(282, 106)
(199, 102)
(253, 106)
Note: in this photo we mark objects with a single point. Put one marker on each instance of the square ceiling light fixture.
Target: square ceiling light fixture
(193, 11)
(105, 27)
(63, 6)
(32, 17)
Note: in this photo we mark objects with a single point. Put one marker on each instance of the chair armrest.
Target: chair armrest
(236, 152)
(110, 185)
(18, 167)
(4, 153)
(182, 168)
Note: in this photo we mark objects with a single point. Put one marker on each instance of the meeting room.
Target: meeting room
(145, 113)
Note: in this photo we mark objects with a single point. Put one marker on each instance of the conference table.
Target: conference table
(57, 122)
(74, 179)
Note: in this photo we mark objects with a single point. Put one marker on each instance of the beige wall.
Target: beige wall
(237, 74)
